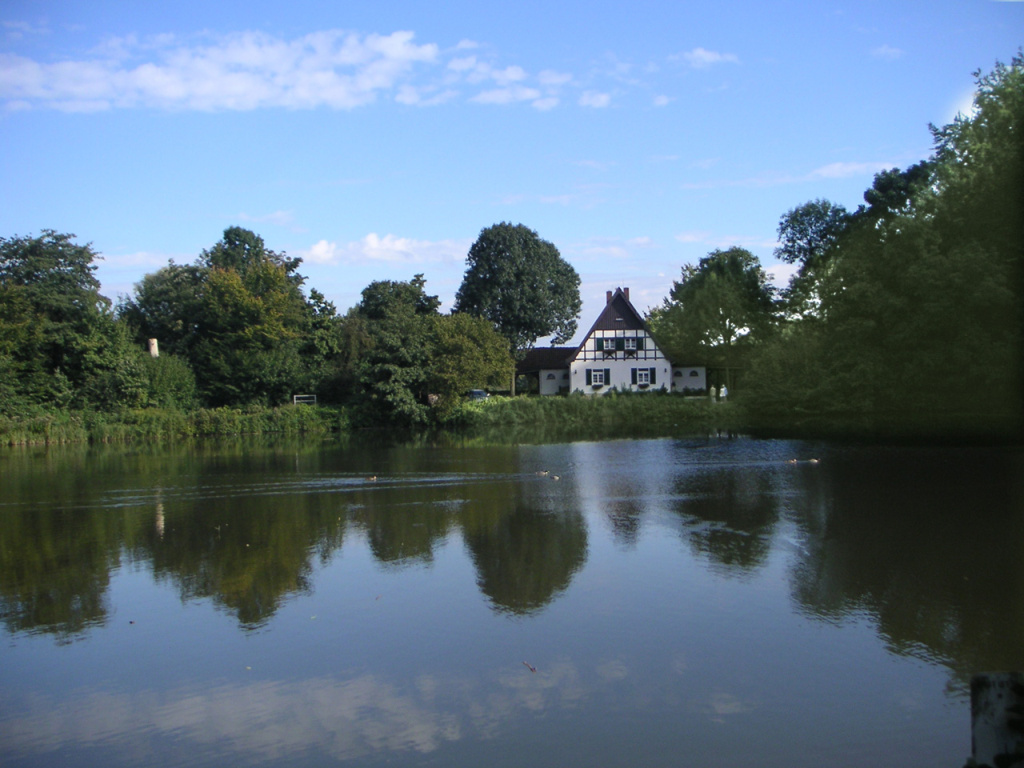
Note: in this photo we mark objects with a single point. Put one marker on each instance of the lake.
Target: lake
(706, 601)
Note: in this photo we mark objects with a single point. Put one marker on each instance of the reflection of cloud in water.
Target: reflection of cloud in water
(722, 705)
(268, 720)
(613, 669)
(258, 721)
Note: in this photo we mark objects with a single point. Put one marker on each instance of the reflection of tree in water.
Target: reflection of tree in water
(729, 515)
(404, 523)
(55, 568)
(927, 541)
(526, 557)
(57, 548)
(246, 552)
(625, 516)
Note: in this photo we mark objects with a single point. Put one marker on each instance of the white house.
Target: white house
(617, 353)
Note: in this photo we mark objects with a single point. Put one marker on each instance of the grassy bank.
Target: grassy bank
(56, 427)
(509, 419)
(542, 419)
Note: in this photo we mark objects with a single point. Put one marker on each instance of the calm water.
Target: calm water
(699, 602)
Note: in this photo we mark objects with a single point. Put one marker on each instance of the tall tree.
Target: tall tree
(58, 340)
(717, 310)
(393, 370)
(239, 317)
(809, 237)
(922, 317)
(414, 364)
(522, 285)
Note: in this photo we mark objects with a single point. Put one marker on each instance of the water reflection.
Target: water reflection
(244, 531)
(927, 542)
(676, 582)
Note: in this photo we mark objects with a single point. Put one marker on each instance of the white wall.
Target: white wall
(692, 377)
(619, 364)
(552, 386)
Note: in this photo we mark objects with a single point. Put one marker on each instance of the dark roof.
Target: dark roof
(545, 358)
(618, 315)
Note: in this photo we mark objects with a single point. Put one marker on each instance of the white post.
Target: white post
(997, 722)
(154, 350)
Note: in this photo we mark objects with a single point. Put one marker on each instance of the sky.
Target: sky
(376, 140)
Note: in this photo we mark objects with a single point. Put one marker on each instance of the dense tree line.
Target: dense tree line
(907, 311)
(909, 308)
(235, 328)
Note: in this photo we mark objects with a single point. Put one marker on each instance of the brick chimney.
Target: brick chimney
(608, 297)
(625, 292)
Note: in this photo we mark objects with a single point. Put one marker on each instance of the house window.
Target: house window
(550, 376)
(597, 377)
(694, 374)
(630, 344)
(643, 377)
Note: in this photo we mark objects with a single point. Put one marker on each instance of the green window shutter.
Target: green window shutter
(588, 377)
(654, 379)
(599, 344)
(620, 344)
(632, 373)
(607, 377)
(639, 342)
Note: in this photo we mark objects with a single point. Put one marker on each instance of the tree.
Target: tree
(165, 306)
(717, 310)
(238, 316)
(809, 232)
(465, 353)
(393, 369)
(520, 284)
(251, 327)
(58, 340)
(922, 317)
(414, 363)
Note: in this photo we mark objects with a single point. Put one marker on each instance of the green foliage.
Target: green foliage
(520, 284)
(579, 417)
(57, 335)
(465, 353)
(165, 306)
(35, 425)
(240, 320)
(393, 378)
(414, 365)
(809, 236)
(921, 319)
(721, 307)
(172, 384)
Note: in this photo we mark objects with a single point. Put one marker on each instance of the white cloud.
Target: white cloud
(549, 77)
(507, 95)
(462, 64)
(779, 274)
(693, 236)
(886, 52)
(243, 71)
(595, 99)
(546, 103)
(661, 101)
(701, 58)
(846, 170)
(388, 248)
(509, 75)
(277, 218)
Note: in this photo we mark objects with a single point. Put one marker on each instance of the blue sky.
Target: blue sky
(376, 140)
